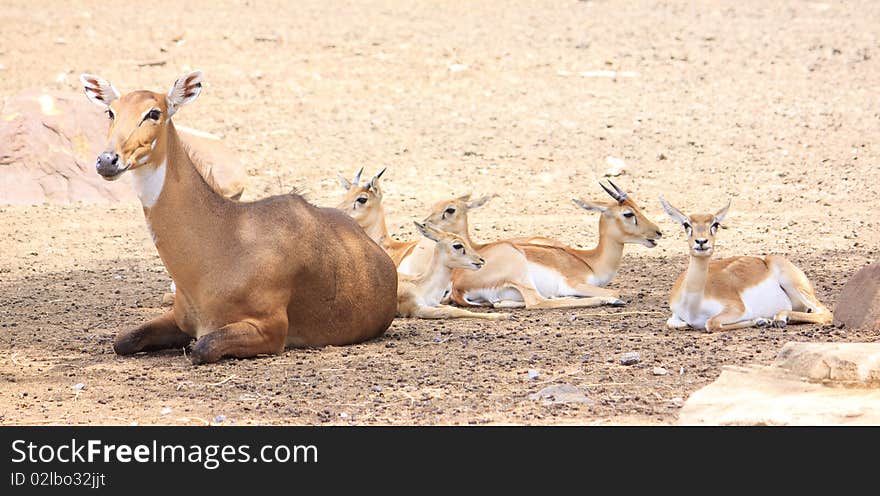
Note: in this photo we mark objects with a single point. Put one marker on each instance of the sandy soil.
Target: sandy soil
(772, 104)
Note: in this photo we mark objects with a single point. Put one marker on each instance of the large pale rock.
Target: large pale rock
(808, 384)
(49, 142)
(858, 305)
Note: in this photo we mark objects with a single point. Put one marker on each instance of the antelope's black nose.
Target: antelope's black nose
(701, 242)
(107, 164)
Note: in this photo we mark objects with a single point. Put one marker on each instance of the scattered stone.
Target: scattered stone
(616, 166)
(457, 67)
(78, 386)
(659, 371)
(661, 156)
(165, 411)
(219, 419)
(533, 374)
(630, 358)
(377, 388)
(343, 415)
(561, 394)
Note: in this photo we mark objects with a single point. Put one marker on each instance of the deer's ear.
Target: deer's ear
(428, 231)
(479, 202)
(345, 183)
(721, 214)
(98, 90)
(673, 212)
(591, 206)
(186, 89)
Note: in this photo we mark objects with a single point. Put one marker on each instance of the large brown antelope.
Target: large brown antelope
(363, 202)
(421, 296)
(736, 292)
(547, 274)
(251, 278)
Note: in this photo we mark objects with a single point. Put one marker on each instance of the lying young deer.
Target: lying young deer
(547, 274)
(363, 202)
(736, 292)
(420, 296)
(251, 278)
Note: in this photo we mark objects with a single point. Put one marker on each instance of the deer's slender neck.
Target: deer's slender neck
(434, 281)
(466, 233)
(696, 275)
(181, 210)
(605, 258)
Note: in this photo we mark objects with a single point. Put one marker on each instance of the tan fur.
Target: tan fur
(508, 261)
(420, 296)
(724, 283)
(251, 277)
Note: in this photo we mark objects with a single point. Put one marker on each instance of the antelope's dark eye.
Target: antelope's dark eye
(458, 246)
(154, 114)
(715, 226)
(687, 226)
(361, 200)
(450, 210)
(629, 215)
(110, 114)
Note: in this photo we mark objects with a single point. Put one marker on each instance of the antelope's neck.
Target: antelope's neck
(435, 279)
(696, 276)
(378, 231)
(605, 258)
(181, 210)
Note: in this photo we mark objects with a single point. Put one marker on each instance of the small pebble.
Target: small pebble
(533, 374)
(79, 387)
(219, 419)
(377, 388)
(630, 358)
(165, 411)
(343, 415)
(659, 371)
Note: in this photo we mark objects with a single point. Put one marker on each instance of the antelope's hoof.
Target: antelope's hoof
(126, 343)
(780, 323)
(503, 316)
(763, 322)
(201, 352)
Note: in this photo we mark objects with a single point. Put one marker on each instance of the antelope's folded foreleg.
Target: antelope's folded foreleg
(157, 334)
(240, 340)
(732, 319)
(450, 312)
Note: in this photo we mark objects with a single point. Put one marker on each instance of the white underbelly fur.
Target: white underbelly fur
(548, 282)
(696, 310)
(765, 300)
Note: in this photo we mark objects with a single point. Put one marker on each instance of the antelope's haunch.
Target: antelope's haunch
(251, 278)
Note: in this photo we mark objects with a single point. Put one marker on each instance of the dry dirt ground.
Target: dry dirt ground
(772, 104)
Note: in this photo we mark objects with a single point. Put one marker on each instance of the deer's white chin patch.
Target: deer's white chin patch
(148, 182)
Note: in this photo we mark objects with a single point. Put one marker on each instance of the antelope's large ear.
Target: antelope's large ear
(185, 90)
(345, 183)
(673, 212)
(592, 206)
(479, 202)
(721, 214)
(374, 182)
(428, 231)
(466, 197)
(98, 90)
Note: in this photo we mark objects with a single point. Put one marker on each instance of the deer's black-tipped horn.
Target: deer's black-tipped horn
(620, 192)
(357, 177)
(380, 173)
(612, 194)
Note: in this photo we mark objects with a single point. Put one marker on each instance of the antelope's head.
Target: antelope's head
(457, 253)
(622, 219)
(700, 228)
(452, 215)
(363, 202)
(138, 121)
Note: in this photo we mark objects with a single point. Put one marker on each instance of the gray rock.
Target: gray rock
(659, 371)
(561, 394)
(533, 374)
(630, 358)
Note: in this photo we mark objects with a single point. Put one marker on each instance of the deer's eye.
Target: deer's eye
(110, 114)
(687, 227)
(458, 246)
(154, 114)
(714, 227)
(450, 210)
(629, 215)
(361, 200)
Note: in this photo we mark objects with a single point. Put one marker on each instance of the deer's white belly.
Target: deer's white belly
(696, 310)
(765, 300)
(549, 282)
(491, 295)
